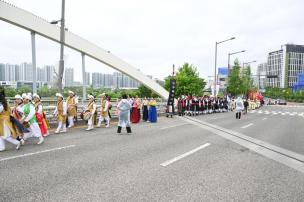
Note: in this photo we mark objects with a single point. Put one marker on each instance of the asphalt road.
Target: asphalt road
(172, 160)
(282, 126)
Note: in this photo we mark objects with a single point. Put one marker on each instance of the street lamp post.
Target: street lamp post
(215, 62)
(247, 63)
(229, 54)
(62, 39)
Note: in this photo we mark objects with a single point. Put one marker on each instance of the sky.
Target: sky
(154, 35)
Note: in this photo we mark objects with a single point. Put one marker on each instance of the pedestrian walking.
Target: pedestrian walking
(40, 115)
(145, 109)
(246, 104)
(152, 111)
(91, 108)
(239, 107)
(71, 108)
(7, 131)
(135, 114)
(104, 111)
(124, 107)
(16, 117)
(30, 121)
(61, 112)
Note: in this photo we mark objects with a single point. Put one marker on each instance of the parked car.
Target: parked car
(282, 102)
(272, 102)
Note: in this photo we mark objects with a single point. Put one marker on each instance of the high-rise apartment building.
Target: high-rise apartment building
(88, 78)
(260, 78)
(26, 73)
(115, 80)
(2, 72)
(283, 66)
(69, 77)
(49, 73)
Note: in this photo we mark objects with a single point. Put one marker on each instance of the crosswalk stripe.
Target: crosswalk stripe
(266, 112)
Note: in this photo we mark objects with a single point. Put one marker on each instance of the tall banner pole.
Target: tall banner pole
(172, 91)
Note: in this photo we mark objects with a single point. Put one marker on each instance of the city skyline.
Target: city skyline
(11, 74)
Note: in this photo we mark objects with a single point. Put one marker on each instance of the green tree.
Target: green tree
(240, 80)
(46, 92)
(234, 81)
(10, 92)
(24, 89)
(143, 91)
(187, 81)
(247, 81)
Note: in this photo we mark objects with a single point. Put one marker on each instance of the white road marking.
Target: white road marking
(281, 155)
(34, 153)
(248, 125)
(164, 128)
(264, 119)
(260, 111)
(166, 163)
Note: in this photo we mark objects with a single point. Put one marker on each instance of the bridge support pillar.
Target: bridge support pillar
(84, 90)
(34, 62)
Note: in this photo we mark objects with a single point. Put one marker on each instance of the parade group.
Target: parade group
(27, 118)
(194, 105)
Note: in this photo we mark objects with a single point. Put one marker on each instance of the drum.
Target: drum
(87, 115)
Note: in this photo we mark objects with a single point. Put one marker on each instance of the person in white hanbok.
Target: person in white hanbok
(239, 107)
(124, 107)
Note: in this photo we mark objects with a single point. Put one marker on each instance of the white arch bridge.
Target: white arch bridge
(36, 25)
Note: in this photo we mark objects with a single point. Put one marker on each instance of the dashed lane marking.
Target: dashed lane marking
(166, 163)
(35, 153)
(164, 128)
(248, 125)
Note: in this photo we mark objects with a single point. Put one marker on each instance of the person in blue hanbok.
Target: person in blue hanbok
(124, 107)
(152, 111)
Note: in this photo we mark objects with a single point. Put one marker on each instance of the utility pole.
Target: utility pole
(34, 62)
(84, 79)
(62, 40)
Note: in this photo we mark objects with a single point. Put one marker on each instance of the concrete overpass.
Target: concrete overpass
(26, 20)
